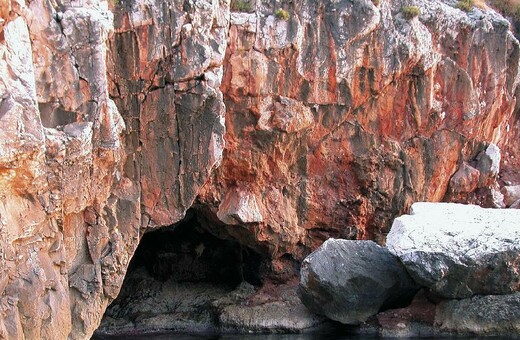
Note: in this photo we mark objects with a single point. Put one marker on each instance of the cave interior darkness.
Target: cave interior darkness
(187, 252)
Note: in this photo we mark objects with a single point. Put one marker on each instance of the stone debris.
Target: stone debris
(511, 194)
(488, 164)
(466, 258)
(465, 180)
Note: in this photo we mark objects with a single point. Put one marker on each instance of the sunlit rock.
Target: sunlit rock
(459, 250)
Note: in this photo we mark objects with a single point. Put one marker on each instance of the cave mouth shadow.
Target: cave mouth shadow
(186, 252)
(179, 277)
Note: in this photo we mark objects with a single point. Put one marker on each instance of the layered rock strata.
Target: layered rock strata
(338, 116)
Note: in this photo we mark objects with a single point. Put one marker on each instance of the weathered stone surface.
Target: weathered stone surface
(481, 315)
(349, 281)
(459, 250)
(465, 180)
(396, 106)
(148, 304)
(74, 172)
(51, 174)
(415, 320)
(239, 208)
(511, 194)
(113, 116)
(488, 164)
(484, 315)
(166, 69)
(283, 312)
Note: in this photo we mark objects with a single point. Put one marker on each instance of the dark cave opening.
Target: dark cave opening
(180, 277)
(186, 252)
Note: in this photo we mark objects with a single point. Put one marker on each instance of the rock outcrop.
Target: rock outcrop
(187, 307)
(481, 315)
(69, 217)
(459, 250)
(349, 281)
(395, 105)
(488, 315)
(511, 194)
(95, 148)
(116, 117)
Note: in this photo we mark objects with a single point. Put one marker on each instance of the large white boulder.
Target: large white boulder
(459, 250)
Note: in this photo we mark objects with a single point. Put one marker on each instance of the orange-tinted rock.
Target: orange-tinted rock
(465, 180)
(397, 105)
(282, 132)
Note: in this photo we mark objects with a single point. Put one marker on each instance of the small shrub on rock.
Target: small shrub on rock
(241, 6)
(411, 12)
(282, 14)
(465, 5)
(508, 8)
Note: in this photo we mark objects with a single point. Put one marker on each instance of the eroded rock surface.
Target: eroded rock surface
(459, 250)
(69, 221)
(511, 194)
(349, 281)
(485, 315)
(113, 118)
(82, 174)
(481, 315)
(383, 112)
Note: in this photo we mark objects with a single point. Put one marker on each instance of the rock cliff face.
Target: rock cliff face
(116, 118)
(342, 116)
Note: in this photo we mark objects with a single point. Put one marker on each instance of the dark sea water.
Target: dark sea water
(314, 336)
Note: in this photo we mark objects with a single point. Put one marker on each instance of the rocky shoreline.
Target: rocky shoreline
(465, 259)
(410, 288)
(205, 308)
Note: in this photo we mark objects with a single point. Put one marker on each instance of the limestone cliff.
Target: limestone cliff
(281, 128)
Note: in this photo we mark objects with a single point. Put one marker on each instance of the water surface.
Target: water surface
(313, 336)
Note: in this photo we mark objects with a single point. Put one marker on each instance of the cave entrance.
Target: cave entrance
(188, 253)
(178, 276)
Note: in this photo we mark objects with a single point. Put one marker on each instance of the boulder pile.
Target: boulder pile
(466, 259)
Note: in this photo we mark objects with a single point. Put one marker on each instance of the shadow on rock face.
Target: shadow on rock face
(184, 279)
(187, 253)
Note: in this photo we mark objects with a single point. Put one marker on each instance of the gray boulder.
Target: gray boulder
(459, 250)
(484, 315)
(349, 281)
